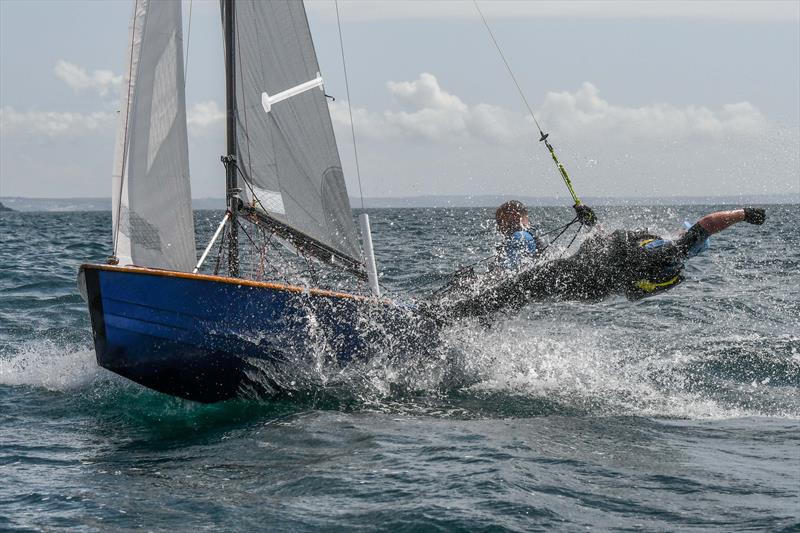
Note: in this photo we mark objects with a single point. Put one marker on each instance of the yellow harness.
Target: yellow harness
(649, 286)
(652, 286)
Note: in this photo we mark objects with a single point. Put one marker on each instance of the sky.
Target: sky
(641, 99)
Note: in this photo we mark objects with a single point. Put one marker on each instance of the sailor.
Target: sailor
(519, 246)
(661, 262)
(636, 263)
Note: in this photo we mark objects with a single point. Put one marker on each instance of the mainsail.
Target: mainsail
(287, 155)
(152, 210)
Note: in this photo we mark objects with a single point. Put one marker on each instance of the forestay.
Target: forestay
(152, 211)
(286, 147)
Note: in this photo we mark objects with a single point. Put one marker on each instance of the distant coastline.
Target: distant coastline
(493, 200)
(10, 203)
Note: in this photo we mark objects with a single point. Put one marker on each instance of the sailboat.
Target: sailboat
(156, 319)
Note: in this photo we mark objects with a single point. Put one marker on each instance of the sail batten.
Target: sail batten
(286, 149)
(151, 199)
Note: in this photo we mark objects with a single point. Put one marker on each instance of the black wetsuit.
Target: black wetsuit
(620, 262)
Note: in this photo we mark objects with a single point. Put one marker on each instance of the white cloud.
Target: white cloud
(79, 79)
(71, 124)
(425, 93)
(585, 114)
(53, 123)
(204, 114)
(432, 114)
(576, 9)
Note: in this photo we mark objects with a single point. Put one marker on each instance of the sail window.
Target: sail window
(270, 201)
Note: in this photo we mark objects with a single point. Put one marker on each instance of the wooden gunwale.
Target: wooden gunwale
(232, 281)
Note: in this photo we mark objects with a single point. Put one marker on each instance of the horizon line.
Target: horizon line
(466, 196)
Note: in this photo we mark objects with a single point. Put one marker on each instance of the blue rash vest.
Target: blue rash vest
(519, 247)
(691, 244)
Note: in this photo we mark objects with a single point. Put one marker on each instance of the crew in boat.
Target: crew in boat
(520, 245)
(634, 263)
(639, 263)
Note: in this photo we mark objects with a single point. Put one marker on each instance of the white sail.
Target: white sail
(287, 152)
(152, 211)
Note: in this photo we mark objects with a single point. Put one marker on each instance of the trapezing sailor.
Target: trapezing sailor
(635, 263)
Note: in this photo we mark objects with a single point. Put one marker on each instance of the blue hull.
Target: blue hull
(197, 336)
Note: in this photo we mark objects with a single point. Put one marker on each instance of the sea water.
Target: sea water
(678, 412)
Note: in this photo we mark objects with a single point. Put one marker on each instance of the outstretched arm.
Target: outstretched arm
(716, 222)
(691, 243)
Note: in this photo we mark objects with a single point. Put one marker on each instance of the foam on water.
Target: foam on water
(46, 364)
(518, 360)
(509, 362)
(525, 360)
(588, 373)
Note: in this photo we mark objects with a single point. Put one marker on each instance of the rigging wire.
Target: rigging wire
(249, 238)
(350, 109)
(267, 243)
(543, 136)
(508, 67)
(563, 229)
(257, 247)
(188, 40)
(349, 104)
(249, 187)
(565, 226)
(580, 226)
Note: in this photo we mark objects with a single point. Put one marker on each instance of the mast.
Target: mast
(232, 189)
